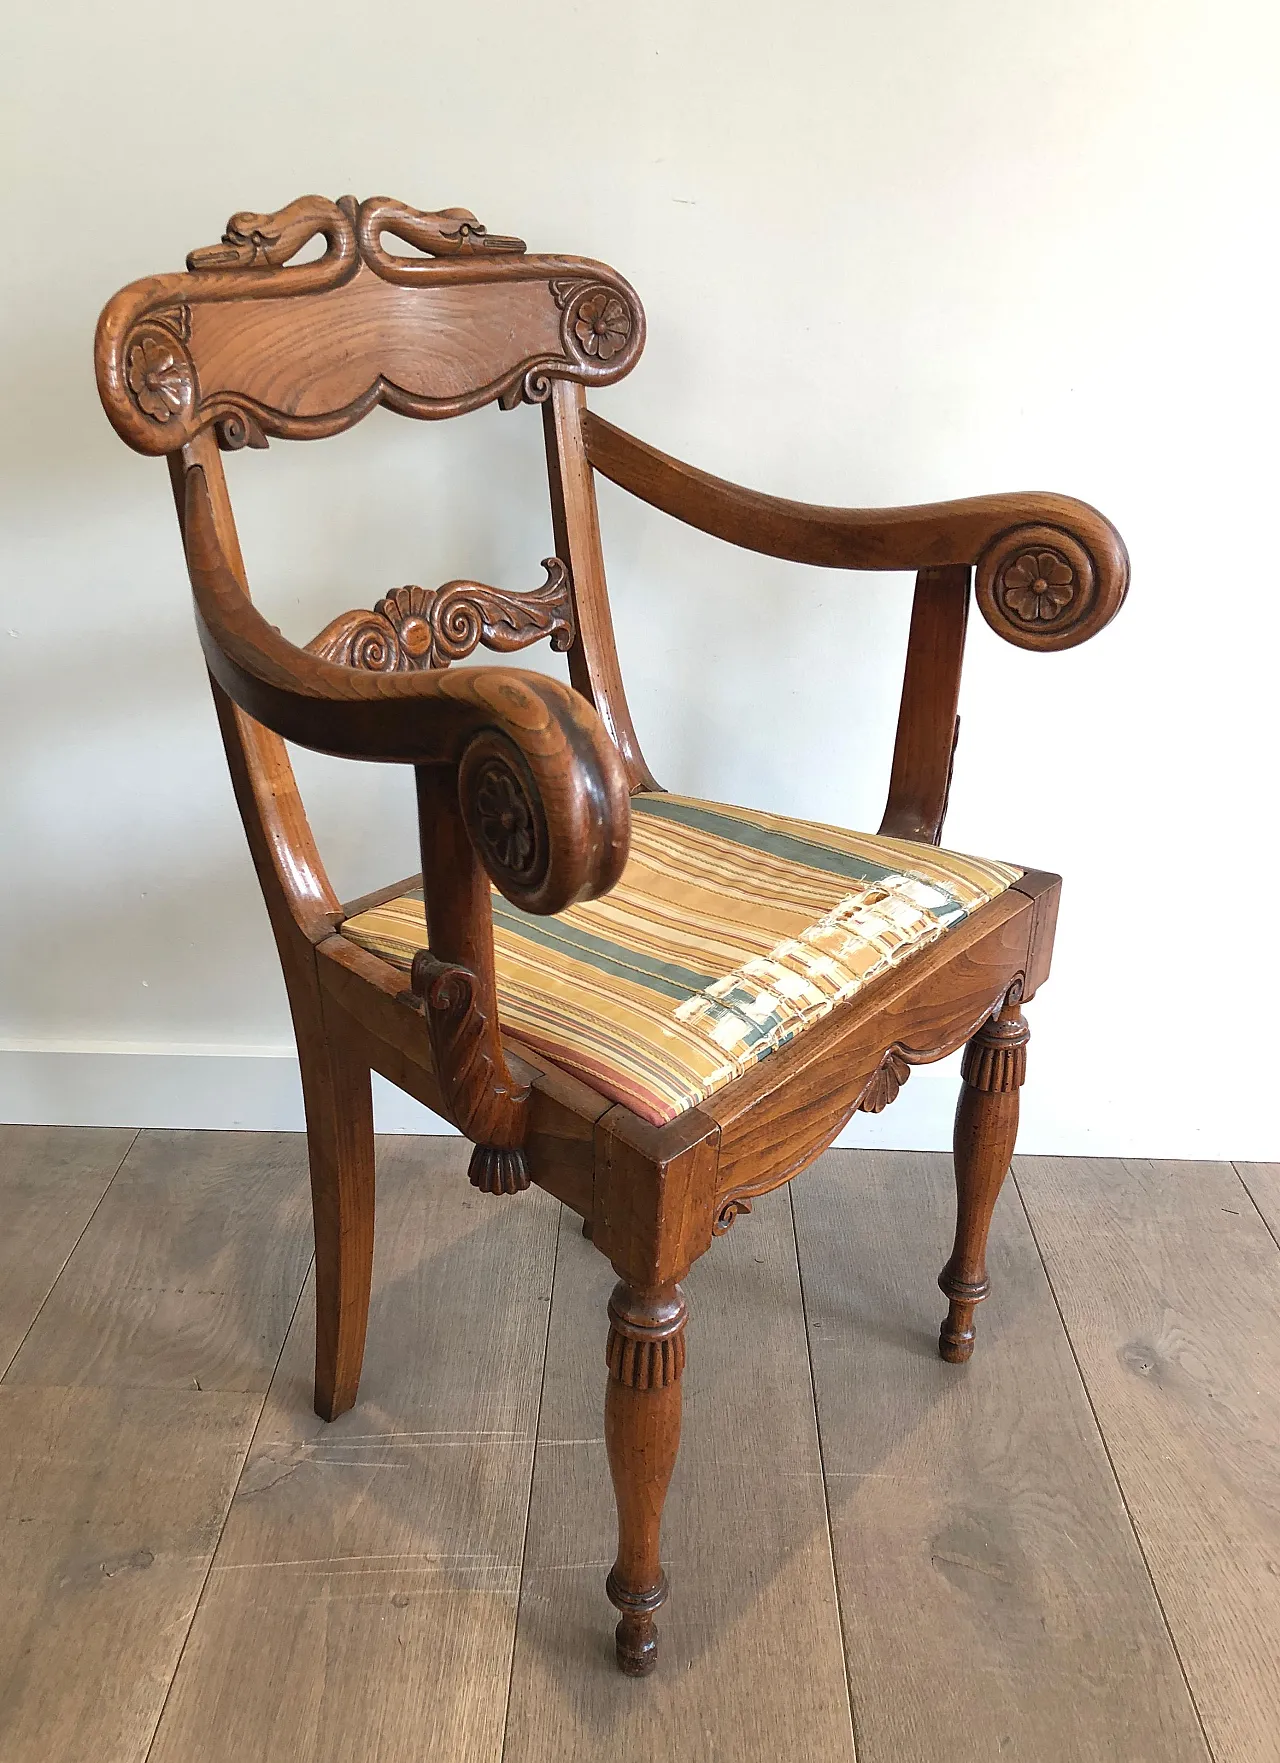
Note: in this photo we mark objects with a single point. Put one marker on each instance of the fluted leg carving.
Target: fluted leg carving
(645, 1356)
(995, 1064)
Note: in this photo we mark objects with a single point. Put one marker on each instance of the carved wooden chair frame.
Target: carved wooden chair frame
(526, 783)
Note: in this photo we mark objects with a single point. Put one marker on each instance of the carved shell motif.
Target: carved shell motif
(892, 1073)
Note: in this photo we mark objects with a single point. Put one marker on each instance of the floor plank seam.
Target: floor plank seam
(1261, 1214)
(1115, 1473)
(826, 1497)
(70, 1252)
(533, 1469)
(213, 1553)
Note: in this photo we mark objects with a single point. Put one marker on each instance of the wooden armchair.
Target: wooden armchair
(667, 1006)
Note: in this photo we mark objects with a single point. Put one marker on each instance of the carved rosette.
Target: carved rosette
(160, 374)
(415, 628)
(503, 814)
(1037, 587)
(995, 1059)
(479, 1092)
(601, 326)
(887, 1079)
(645, 1349)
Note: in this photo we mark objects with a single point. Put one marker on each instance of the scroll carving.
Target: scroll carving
(1041, 588)
(645, 1349)
(416, 628)
(729, 1211)
(150, 383)
(483, 1100)
(880, 1089)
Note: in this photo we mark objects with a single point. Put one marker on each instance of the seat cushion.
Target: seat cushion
(729, 933)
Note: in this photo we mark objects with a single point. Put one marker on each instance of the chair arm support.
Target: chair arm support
(1051, 571)
(541, 787)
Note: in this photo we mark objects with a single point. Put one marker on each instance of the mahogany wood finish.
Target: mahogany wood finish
(645, 1354)
(993, 1070)
(524, 784)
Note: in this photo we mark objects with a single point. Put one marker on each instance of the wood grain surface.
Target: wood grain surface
(1025, 1565)
(189, 1272)
(1167, 1279)
(110, 1507)
(51, 1178)
(363, 1600)
(1263, 1183)
(987, 1568)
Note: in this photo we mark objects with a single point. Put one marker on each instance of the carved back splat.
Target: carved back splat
(249, 344)
(424, 627)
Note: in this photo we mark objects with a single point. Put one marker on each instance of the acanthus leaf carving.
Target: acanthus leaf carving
(483, 1099)
(414, 628)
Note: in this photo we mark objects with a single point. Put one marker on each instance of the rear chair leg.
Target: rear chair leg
(338, 1098)
(645, 1356)
(995, 1064)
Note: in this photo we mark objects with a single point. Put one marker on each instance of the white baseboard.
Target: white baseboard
(257, 1088)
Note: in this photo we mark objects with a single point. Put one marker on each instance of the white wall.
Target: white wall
(889, 253)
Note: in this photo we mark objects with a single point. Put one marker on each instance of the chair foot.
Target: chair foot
(645, 1356)
(995, 1064)
(957, 1334)
(498, 1169)
(636, 1636)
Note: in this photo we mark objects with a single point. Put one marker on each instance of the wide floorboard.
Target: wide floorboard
(1065, 1552)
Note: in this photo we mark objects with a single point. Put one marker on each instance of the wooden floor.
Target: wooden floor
(1068, 1550)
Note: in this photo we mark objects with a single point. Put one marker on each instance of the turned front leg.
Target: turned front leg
(995, 1064)
(645, 1356)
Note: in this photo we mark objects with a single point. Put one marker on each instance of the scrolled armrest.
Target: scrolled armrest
(541, 786)
(1050, 571)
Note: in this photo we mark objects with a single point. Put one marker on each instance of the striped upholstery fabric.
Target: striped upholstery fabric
(729, 933)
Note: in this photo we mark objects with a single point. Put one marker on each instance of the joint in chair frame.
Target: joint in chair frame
(655, 1057)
